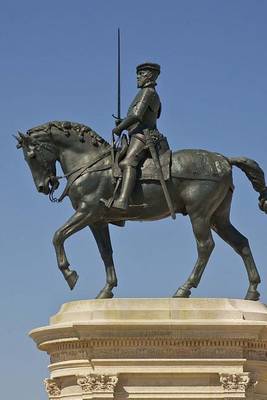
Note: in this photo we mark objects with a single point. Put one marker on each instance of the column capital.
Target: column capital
(97, 382)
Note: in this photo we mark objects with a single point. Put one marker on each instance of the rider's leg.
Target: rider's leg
(135, 154)
(128, 183)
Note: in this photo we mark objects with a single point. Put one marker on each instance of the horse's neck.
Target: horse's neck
(71, 159)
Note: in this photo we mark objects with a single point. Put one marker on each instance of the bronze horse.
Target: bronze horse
(200, 186)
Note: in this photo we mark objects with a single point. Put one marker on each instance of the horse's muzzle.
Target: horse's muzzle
(44, 187)
(40, 188)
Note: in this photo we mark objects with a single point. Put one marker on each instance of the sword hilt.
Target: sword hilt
(117, 119)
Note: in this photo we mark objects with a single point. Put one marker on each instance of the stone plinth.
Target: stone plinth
(156, 349)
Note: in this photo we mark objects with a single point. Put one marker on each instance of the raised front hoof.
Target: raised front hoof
(182, 292)
(252, 295)
(72, 279)
(105, 294)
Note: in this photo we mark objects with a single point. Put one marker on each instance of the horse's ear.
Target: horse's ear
(21, 135)
(26, 139)
(22, 139)
(19, 139)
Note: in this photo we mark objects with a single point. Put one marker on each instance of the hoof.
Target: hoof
(72, 279)
(105, 294)
(181, 292)
(252, 295)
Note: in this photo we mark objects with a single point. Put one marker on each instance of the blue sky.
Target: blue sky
(58, 62)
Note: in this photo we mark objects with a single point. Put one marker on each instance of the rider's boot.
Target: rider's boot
(128, 182)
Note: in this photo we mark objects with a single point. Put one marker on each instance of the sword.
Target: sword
(155, 159)
(118, 116)
(119, 77)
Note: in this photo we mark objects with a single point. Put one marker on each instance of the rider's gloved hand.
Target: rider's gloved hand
(116, 131)
(54, 182)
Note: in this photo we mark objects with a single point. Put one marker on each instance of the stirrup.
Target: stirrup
(120, 205)
(107, 202)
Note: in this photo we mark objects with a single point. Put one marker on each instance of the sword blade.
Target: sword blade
(119, 74)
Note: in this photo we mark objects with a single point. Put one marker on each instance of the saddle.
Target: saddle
(147, 169)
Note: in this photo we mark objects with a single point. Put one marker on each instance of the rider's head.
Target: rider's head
(147, 74)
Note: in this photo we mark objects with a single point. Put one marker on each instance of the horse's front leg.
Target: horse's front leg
(77, 222)
(102, 237)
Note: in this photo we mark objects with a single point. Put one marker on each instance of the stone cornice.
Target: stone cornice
(177, 318)
(47, 335)
(163, 347)
(159, 341)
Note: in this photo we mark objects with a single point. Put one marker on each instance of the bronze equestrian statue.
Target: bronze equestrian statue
(153, 183)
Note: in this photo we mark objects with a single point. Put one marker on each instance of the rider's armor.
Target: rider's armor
(142, 114)
(146, 107)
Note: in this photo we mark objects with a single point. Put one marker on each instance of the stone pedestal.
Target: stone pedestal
(156, 349)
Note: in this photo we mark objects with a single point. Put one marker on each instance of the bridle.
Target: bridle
(38, 150)
(54, 180)
(77, 173)
(71, 176)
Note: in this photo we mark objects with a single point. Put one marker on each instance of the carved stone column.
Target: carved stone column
(156, 349)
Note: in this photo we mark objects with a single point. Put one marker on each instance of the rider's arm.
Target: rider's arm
(128, 121)
(145, 100)
(137, 111)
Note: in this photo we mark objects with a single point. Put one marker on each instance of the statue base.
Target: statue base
(156, 349)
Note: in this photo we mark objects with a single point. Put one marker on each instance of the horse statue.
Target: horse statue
(200, 185)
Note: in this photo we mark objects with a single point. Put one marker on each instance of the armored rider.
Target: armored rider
(142, 114)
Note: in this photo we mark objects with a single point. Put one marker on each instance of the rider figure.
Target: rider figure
(142, 114)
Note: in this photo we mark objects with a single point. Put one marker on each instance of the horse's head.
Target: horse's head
(41, 157)
(70, 143)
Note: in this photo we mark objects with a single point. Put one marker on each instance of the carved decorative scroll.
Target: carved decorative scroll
(97, 383)
(52, 387)
(237, 382)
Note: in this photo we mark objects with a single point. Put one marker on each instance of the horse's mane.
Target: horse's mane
(67, 127)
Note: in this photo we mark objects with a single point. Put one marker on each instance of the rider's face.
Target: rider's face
(143, 77)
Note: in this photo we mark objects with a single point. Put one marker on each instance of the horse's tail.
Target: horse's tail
(256, 176)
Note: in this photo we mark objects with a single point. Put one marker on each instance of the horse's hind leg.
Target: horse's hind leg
(205, 245)
(102, 237)
(222, 226)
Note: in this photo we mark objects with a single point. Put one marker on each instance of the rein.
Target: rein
(81, 170)
(53, 179)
